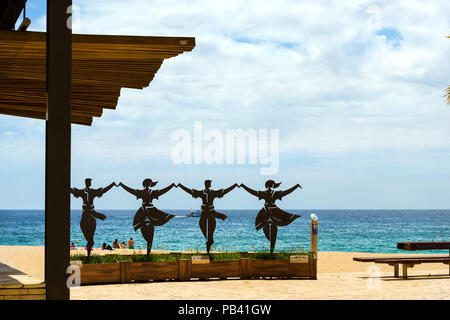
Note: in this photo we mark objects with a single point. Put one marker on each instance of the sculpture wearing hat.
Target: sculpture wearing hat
(148, 216)
(270, 217)
(88, 223)
(208, 215)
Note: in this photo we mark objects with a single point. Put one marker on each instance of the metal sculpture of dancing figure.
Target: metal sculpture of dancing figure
(208, 215)
(148, 216)
(88, 223)
(270, 217)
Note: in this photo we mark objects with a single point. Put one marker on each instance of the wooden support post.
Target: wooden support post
(313, 269)
(396, 269)
(57, 151)
(125, 272)
(405, 269)
(245, 268)
(184, 269)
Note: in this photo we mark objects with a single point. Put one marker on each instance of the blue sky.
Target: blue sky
(355, 88)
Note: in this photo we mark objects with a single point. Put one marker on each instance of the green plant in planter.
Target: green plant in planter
(165, 257)
(225, 256)
(155, 258)
(109, 258)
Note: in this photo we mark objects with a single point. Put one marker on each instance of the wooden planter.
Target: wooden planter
(184, 270)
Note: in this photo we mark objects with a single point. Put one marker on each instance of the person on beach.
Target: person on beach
(116, 244)
(148, 216)
(270, 217)
(208, 215)
(131, 243)
(88, 223)
(106, 246)
(72, 246)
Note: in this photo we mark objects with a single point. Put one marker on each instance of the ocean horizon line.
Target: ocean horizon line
(437, 252)
(347, 230)
(257, 208)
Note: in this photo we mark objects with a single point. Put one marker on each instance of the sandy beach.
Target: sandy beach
(339, 277)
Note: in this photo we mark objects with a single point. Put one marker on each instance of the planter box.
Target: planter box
(100, 273)
(284, 269)
(216, 269)
(184, 270)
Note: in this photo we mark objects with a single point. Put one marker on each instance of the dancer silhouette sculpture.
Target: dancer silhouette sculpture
(270, 217)
(88, 223)
(208, 215)
(148, 216)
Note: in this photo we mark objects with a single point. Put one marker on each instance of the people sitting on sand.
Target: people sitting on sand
(131, 244)
(72, 246)
(123, 245)
(116, 244)
(106, 246)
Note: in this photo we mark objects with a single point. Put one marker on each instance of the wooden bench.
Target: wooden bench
(409, 262)
(424, 245)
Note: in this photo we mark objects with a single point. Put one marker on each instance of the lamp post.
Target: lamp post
(314, 229)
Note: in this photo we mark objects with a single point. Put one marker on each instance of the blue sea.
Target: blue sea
(339, 230)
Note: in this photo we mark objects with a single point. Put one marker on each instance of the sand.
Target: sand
(339, 277)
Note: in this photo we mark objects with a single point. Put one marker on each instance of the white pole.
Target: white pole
(314, 230)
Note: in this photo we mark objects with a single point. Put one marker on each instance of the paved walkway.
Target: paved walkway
(434, 284)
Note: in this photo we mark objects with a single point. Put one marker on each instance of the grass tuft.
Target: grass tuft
(165, 257)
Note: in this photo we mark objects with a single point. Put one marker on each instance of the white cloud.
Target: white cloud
(315, 70)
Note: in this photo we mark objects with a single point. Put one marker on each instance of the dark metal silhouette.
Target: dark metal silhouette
(208, 215)
(148, 216)
(88, 223)
(270, 217)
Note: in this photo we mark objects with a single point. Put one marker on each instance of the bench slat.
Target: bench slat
(373, 259)
(414, 261)
(424, 245)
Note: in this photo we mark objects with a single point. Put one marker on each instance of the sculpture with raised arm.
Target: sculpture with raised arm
(148, 216)
(208, 215)
(270, 217)
(88, 223)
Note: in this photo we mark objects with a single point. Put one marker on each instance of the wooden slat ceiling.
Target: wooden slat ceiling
(101, 66)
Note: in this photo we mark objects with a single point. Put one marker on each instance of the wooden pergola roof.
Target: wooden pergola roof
(101, 66)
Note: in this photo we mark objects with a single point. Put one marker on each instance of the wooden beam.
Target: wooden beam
(10, 12)
(57, 157)
(106, 39)
(101, 66)
(76, 119)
